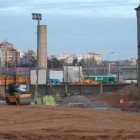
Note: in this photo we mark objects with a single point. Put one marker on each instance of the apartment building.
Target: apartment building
(9, 56)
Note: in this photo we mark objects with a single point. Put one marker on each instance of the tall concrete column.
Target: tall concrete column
(138, 41)
(42, 50)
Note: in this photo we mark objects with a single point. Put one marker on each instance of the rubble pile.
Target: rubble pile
(83, 101)
(125, 98)
(77, 99)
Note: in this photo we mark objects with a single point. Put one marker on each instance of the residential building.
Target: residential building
(62, 56)
(97, 57)
(9, 56)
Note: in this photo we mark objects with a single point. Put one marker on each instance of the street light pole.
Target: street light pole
(138, 48)
(108, 63)
(38, 17)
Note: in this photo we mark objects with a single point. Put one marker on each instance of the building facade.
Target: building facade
(9, 56)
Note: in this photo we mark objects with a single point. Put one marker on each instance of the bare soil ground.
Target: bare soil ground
(55, 123)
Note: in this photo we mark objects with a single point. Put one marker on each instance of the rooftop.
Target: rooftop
(6, 44)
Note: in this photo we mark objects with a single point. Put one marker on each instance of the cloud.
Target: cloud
(92, 8)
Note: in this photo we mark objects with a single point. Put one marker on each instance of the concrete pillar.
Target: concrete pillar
(42, 62)
(138, 41)
(101, 88)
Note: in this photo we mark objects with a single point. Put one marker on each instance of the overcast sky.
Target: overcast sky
(74, 26)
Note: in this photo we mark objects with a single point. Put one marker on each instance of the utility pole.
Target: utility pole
(38, 17)
(138, 41)
(108, 65)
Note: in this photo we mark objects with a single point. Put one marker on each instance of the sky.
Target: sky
(73, 26)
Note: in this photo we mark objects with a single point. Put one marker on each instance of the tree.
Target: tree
(75, 61)
(54, 63)
(32, 61)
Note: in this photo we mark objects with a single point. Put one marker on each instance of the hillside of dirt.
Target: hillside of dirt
(126, 98)
(55, 123)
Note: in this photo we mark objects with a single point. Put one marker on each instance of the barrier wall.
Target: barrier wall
(82, 89)
(72, 89)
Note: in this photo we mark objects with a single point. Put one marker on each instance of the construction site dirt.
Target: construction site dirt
(98, 117)
(58, 123)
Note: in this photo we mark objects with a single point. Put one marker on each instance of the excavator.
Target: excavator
(14, 95)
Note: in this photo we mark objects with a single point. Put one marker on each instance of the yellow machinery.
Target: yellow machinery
(16, 96)
(88, 82)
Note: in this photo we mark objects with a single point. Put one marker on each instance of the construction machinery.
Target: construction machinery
(90, 82)
(14, 95)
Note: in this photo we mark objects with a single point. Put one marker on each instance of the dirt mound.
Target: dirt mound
(129, 90)
(131, 106)
(120, 99)
(112, 99)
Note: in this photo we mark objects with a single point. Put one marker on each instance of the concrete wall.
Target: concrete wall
(129, 73)
(72, 89)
